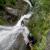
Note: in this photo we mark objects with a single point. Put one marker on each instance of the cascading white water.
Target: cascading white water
(8, 34)
(28, 2)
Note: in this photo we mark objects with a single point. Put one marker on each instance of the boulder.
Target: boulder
(11, 11)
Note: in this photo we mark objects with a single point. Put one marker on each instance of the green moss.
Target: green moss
(3, 21)
(39, 23)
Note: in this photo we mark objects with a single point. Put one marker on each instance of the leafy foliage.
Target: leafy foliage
(7, 2)
(39, 23)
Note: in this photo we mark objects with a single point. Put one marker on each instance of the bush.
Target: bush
(39, 23)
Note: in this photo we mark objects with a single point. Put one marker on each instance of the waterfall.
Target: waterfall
(28, 2)
(8, 34)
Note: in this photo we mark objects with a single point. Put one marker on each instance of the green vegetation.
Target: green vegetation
(7, 2)
(39, 23)
(3, 21)
(3, 4)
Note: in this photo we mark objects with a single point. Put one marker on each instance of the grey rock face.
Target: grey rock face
(48, 42)
(11, 11)
(21, 8)
(19, 44)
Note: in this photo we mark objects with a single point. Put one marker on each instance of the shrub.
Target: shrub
(39, 23)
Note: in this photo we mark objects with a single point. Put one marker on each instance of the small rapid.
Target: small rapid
(8, 34)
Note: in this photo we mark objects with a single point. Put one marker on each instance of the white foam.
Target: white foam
(8, 34)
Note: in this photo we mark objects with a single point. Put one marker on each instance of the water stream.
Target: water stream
(8, 34)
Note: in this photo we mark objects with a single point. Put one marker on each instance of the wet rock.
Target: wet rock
(11, 11)
(25, 21)
(19, 44)
(20, 9)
